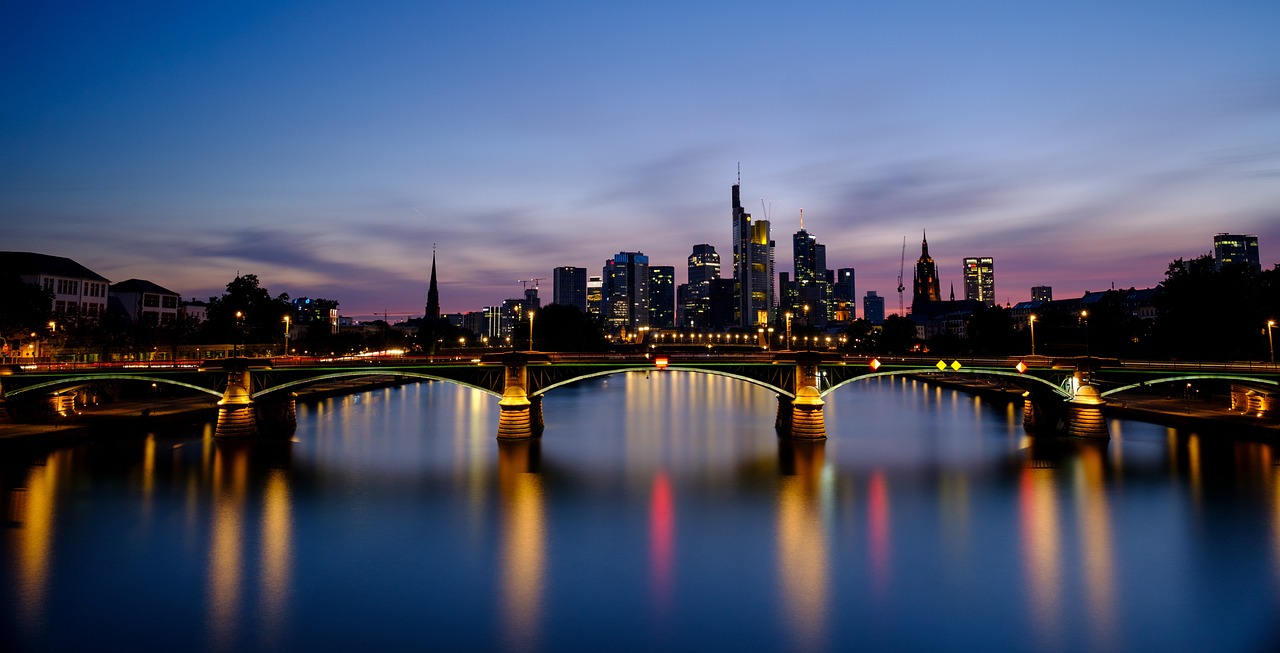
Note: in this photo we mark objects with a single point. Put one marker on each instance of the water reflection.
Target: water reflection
(523, 544)
(662, 528)
(32, 513)
(803, 564)
(1094, 526)
(1040, 536)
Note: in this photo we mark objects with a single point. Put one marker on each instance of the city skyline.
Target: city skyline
(325, 148)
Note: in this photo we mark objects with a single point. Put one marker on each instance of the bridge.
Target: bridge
(255, 396)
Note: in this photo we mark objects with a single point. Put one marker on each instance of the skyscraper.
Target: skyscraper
(704, 268)
(662, 298)
(595, 288)
(926, 286)
(752, 266)
(873, 308)
(1042, 293)
(433, 295)
(843, 296)
(980, 279)
(812, 289)
(625, 292)
(569, 287)
(1236, 249)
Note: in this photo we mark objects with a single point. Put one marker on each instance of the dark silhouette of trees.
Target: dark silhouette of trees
(558, 327)
(1209, 314)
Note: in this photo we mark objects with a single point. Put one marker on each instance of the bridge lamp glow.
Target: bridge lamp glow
(660, 362)
(1021, 367)
(875, 364)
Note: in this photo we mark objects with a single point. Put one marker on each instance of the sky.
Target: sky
(328, 146)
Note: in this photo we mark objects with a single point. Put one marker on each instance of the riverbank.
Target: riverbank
(1204, 416)
(136, 417)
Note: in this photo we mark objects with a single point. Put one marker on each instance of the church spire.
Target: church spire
(433, 295)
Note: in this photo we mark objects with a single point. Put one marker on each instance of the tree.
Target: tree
(260, 320)
(26, 306)
(1206, 313)
(557, 327)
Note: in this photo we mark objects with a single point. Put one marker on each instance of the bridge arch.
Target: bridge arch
(1192, 377)
(672, 368)
(359, 373)
(932, 370)
(75, 382)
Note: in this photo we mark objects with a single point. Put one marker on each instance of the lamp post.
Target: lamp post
(530, 330)
(235, 341)
(1033, 334)
(286, 335)
(788, 339)
(808, 326)
(1084, 315)
(1271, 344)
(766, 340)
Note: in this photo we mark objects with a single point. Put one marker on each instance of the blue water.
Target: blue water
(657, 512)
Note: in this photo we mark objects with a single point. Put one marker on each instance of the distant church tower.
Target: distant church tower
(433, 295)
(926, 278)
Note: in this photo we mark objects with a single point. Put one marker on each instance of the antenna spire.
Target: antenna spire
(801, 219)
(739, 173)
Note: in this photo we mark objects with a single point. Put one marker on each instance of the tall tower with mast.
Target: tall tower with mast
(433, 295)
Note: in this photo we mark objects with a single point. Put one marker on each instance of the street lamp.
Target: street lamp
(286, 335)
(530, 330)
(235, 341)
(1084, 315)
(1033, 334)
(788, 339)
(1271, 324)
(766, 340)
(764, 343)
(808, 325)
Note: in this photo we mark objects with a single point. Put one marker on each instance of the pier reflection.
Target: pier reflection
(523, 543)
(803, 549)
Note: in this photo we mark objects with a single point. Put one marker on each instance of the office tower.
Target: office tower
(1042, 293)
(1236, 249)
(843, 296)
(809, 258)
(723, 304)
(595, 287)
(662, 299)
(980, 279)
(569, 287)
(752, 266)
(624, 294)
(695, 304)
(433, 295)
(873, 308)
(926, 286)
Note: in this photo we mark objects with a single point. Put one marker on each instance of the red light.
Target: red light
(660, 362)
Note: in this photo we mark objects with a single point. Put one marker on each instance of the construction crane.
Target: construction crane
(524, 283)
(902, 264)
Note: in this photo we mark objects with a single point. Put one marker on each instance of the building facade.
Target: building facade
(144, 302)
(662, 296)
(624, 292)
(569, 287)
(873, 308)
(752, 266)
(77, 291)
(1236, 249)
(980, 279)
(1042, 293)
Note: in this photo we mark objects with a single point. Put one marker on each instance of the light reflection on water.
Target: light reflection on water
(658, 511)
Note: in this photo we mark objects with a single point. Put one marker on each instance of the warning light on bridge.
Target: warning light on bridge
(660, 362)
(942, 365)
(955, 365)
(1021, 367)
(875, 364)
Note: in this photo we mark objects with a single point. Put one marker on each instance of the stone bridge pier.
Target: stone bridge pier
(241, 416)
(520, 415)
(1078, 416)
(801, 417)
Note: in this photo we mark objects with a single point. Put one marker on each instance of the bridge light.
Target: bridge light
(875, 364)
(1021, 367)
(941, 365)
(660, 362)
(955, 365)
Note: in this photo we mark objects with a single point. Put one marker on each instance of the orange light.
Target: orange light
(875, 364)
(660, 362)
(1021, 367)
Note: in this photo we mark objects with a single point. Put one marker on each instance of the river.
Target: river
(657, 512)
